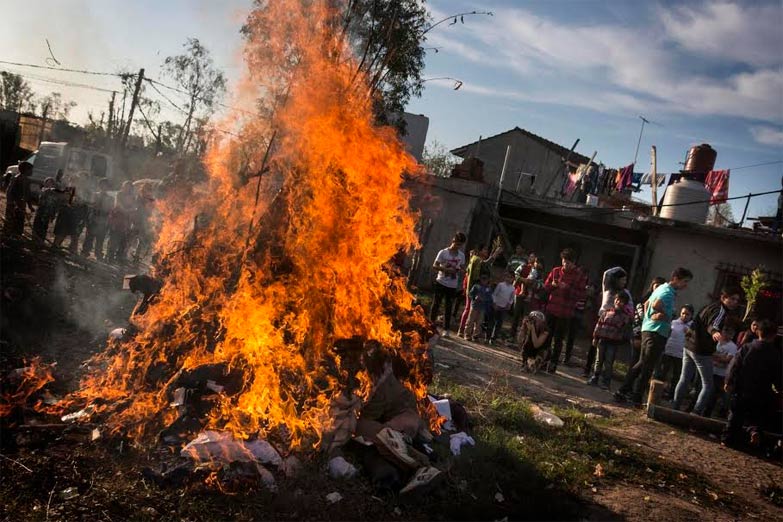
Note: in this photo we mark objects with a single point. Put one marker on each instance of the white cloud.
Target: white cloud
(767, 135)
(745, 33)
(616, 69)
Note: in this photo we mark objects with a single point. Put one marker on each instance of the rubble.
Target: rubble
(334, 497)
(543, 416)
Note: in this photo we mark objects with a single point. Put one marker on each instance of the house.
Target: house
(602, 236)
(535, 164)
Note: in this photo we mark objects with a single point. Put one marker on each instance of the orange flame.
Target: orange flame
(313, 270)
(29, 380)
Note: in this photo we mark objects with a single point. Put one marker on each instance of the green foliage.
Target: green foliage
(15, 93)
(195, 73)
(752, 285)
(438, 160)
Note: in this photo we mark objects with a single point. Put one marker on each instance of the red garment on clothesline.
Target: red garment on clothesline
(717, 182)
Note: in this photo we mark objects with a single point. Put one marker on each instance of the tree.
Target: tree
(384, 36)
(752, 285)
(438, 160)
(53, 107)
(195, 73)
(387, 37)
(15, 93)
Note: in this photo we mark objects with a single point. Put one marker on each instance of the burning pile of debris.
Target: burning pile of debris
(278, 324)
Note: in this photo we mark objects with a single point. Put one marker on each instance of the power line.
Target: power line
(756, 165)
(60, 82)
(63, 69)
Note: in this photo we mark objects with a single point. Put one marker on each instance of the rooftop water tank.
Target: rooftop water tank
(687, 200)
(700, 160)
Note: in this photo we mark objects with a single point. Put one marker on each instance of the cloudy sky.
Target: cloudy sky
(702, 71)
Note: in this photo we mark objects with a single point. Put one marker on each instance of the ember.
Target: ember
(274, 275)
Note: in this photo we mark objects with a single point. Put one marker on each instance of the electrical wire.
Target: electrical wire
(56, 81)
(64, 69)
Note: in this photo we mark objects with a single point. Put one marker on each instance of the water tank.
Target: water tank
(700, 160)
(689, 201)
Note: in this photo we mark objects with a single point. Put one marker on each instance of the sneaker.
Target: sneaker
(392, 444)
(445, 333)
(423, 479)
(620, 397)
(592, 381)
(461, 334)
(604, 386)
(551, 369)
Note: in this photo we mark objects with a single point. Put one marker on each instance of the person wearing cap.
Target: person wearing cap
(17, 200)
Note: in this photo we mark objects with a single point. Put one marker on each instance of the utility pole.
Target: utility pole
(43, 124)
(134, 102)
(500, 193)
(110, 125)
(654, 180)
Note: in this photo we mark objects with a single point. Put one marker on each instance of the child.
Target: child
(502, 300)
(611, 332)
(724, 353)
(532, 341)
(480, 300)
(749, 381)
(670, 367)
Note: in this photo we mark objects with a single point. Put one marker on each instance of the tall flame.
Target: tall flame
(271, 299)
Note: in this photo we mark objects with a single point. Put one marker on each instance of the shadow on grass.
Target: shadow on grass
(567, 465)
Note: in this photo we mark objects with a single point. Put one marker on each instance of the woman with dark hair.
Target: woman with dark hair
(614, 282)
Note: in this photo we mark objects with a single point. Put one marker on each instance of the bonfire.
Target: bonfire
(275, 272)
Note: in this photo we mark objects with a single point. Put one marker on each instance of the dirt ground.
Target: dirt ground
(62, 307)
(744, 476)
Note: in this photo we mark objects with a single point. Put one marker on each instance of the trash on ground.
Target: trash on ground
(86, 412)
(543, 416)
(339, 468)
(69, 493)
(334, 497)
(499, 497)
(223, 447)
(457, 440)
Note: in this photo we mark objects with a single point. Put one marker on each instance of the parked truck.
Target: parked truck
(52, 157)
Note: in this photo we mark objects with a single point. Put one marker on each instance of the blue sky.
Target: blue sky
(703, 71)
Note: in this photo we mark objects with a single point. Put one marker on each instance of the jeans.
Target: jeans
(517, 313)
(639, 374)
(590, 359)
(745, 418)
(443, 293)
(604, 362)
(558, 329)
(473, 324)
(574, 324)
(669, 370)
(717, 394)
(692, 363)
(498, 314)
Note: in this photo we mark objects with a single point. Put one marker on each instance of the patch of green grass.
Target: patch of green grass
(573, 459)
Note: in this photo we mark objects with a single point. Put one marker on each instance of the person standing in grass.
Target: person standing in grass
(449, 263)
(656, 327)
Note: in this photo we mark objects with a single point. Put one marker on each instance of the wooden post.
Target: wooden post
(134, 102)
(500, 193)
(564, 165)
(110, 124)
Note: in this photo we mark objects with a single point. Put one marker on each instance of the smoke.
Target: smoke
(88, 304)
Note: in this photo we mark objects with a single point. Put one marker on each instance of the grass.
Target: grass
(578, 459)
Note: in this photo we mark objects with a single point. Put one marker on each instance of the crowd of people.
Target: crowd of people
(77, 212)
(711, 362)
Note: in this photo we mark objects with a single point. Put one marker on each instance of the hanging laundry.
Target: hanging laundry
(625, 177)
(647, 179)
(717, 183)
